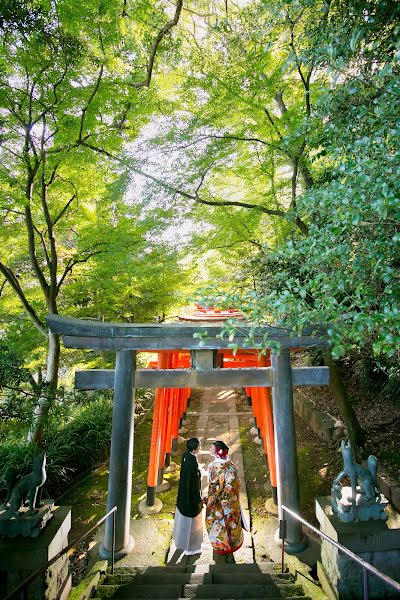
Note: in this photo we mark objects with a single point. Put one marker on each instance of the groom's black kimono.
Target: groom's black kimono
(189, 500)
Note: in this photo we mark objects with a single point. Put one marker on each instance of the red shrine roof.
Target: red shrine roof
(200, 313)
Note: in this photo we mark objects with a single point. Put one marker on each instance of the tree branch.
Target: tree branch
(52, 263)
(305, 80)
(236, 137)
(73, 262)
(268, 211)
(2, 286)
(32, 251)
(90, 99)
(161, 34)
(64, 209)
(17, 389)
(13, 281)
(274, 125)
(44, 246)
(167, 186)
(294, 182)
(279, 100)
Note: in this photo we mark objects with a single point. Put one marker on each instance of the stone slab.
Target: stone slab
(214, 424)
(325, 583)
(86, 587)
(346, 577)
(150, 510)
(36, 551)
(371, 535)
(20, 556)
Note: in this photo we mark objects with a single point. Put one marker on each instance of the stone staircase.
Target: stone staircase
(215, 581)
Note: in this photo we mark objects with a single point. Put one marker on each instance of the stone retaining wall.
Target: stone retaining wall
(323, 424)
(389, 486)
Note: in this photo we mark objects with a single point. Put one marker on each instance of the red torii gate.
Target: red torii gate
(170, 404)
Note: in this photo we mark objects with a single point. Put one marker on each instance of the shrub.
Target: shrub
(71, 448)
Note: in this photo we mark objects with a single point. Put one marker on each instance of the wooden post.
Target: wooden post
(121, 458)
(175, 417)
(168, 426)
(285, 444)
(164, 424)
(155, 447)
(168, 438)
(269, 440)
(157, 438)
(255, 406)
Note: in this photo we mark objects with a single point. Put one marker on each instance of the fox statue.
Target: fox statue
(29, 486)
(366, 478)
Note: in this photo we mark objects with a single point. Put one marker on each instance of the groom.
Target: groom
(188, 526)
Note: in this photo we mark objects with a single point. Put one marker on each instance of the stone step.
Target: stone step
(178, 568)
(139, 591)
(233, 591)
(249, 578)
(159, 579)
(210, 577)
(209, 591)
(264, 567)
(260, 598)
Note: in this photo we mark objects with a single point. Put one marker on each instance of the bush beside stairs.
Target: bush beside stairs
(219, 581)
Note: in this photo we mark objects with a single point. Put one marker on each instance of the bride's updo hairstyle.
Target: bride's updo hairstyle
(221, 449)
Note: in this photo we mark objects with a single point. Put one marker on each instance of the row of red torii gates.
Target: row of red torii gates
(170, 405)
(192, 354)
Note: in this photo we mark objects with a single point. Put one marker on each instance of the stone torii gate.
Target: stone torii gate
(127, 339)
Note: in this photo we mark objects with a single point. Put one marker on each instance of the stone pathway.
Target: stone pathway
(218, 420)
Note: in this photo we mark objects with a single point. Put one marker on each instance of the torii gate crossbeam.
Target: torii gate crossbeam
(126, 339)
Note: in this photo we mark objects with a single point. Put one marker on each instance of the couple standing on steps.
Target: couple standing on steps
(223, 513)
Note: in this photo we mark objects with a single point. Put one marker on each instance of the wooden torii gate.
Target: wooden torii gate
(127, 339)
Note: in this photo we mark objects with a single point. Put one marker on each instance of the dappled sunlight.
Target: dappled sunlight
(226, 395)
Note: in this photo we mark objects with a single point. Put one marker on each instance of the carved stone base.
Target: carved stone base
(363, 511)
(26, 524)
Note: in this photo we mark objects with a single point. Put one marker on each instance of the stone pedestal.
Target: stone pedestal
(376, 542)
(21, 556)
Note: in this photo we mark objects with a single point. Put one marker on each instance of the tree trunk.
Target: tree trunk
(355, 432)
(47, 396)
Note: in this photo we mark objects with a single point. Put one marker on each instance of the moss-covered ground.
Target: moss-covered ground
(316, 462)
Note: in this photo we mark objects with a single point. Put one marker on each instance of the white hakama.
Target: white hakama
(188, 533)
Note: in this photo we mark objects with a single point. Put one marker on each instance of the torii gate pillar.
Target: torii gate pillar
(121, 456)
(285, 444)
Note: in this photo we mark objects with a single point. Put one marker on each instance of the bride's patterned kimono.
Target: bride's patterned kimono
(223, 516)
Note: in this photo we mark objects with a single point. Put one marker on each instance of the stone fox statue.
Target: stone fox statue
(366, 478)
(10, 477)
(29, 485)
